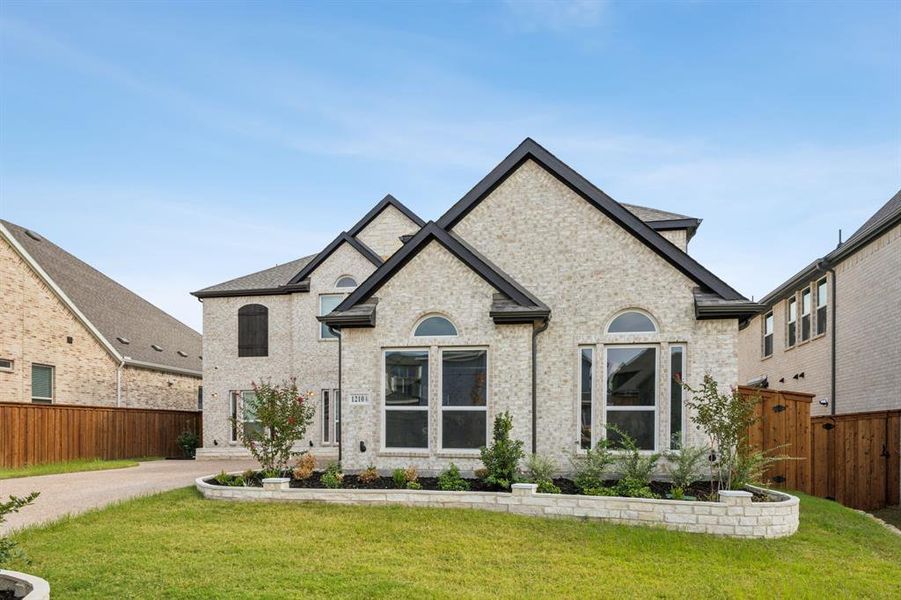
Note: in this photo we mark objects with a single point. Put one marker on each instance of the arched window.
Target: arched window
(346, 281)
(632, 322)
(253, 330)
(433, 326)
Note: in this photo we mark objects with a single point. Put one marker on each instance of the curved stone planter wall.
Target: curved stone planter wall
(33, 588)
(734, 515)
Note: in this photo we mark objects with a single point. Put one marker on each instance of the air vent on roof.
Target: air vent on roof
(123, 340)
(155, 347)
(33, 235)
(182, 354)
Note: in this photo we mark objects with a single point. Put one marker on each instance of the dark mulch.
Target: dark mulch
(7, 595)
(353, 482)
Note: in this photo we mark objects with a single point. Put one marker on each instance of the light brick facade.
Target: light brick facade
(35, 326)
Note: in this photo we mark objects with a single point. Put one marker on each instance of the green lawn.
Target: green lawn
(180, 546)
(71, 466)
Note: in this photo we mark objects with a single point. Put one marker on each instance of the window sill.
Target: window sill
(328, 340)
(404, 453)
(458, 454)
(767, 357)
(818, 336)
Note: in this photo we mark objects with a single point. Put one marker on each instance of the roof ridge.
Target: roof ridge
(376, 210)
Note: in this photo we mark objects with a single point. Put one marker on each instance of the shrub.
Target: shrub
(369, 475)
(451, 480)
(684, 467)
(188, 442)
(9, 550)
(305, 466)
(590, 469)
(284, 415)
(635, 468)
(332, 477)
(501, 458)
(540, 470)
(750, 466)
(403, 477)
(222, 478)
(414, 485)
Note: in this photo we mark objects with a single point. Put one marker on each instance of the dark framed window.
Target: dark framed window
(346, 282)
(464, 402)
(822, 303)
(42, 384)
(199, 397)
(677, 368)
(792, 321)
(768, 334)
(253, 330)
(805, 315)
(435, 326)
(586, 395)
(406, 399)
(632, 394)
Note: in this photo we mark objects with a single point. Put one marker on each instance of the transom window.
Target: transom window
(768, 334)
(346, 281)
(632, 322)
(253, 330)
(822, 301)
(435, 326)
(631, 403)
(407, 399)
(464, 390)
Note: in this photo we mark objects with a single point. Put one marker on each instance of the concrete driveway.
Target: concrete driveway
(74, 493)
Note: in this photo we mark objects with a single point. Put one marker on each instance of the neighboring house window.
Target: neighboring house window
(631, 404)
(199, 397)
(346, 282)
(406, 399)
(792, 321)
(435, 326)
(822, 301)
(329, 417)
(464, 390)
(768, 334)
(42, 384)
(632, 322)
(586, 395)
(6, 365)
(805, 315)
(677, 368)
(328, 303)
(253, 330)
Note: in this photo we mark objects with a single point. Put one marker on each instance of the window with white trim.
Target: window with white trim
(586, 396)
(328, 303)
(768, 334)
(6, 365)
(792, 321)
(805, 315)
(434, 326)
(406, 399)
(242, 413)
(42, 383)
(822, 302)
(632, 322)
(329, 415)
(631, 398)
(464, 402)
(346, 281)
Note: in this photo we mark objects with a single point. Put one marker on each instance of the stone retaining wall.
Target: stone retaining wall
(735, 515)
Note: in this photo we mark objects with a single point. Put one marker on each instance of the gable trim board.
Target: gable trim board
(531, 150)
(80, 316)
(517, 305)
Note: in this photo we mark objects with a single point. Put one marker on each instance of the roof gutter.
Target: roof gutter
(158, 367)
(303, 286)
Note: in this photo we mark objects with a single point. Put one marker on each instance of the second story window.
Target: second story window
(792, 321)
(768, 334)
(328, 303)
(253, 330)
(822, 301)
(805, 315)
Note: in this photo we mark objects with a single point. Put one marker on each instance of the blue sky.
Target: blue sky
(176, 145)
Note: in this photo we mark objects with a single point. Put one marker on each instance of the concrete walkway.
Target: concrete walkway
(74, 493)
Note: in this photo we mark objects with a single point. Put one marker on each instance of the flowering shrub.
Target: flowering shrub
(284, 415)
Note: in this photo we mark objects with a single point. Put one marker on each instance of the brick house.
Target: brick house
(71, 335)
(534, 266)
(833, 329)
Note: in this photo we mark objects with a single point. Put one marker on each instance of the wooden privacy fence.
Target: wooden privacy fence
(42, 433)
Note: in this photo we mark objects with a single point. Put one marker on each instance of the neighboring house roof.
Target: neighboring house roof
(514, 304)
(531, 150)
(292, 277)
(883, 219)
(661, 220)
(109, 310)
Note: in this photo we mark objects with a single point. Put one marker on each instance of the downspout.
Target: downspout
(824, 265)
(340, 395)
(535, 333)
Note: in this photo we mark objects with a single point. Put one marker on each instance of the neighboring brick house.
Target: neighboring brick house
(846, 304)
(71, 335)
(537, 294)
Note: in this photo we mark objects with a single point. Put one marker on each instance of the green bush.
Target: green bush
(332, 477)
(414, 485)
(501, 458)
(451, 480)
(635, 468)
(540, 470)
(9, 550)
(591, 468)
(404, 477)
(684, 467)
(188, 442)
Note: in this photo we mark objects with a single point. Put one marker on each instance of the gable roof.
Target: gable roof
(515, 304)
(343, 238)
(273, 280)
(109, 310)
(531, 150)
(661, 220)
(376, 210)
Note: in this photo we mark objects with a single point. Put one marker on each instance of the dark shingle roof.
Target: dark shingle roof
(273, 277)
(648, 214)
(113, 310)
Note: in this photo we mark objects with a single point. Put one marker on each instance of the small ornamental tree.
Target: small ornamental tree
(726, 418)
(501, 458)
(284, 414)
(9, 551)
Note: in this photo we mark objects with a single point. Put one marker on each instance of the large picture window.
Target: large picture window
(328, 303)
(253, 330)
(631, 403)
(586, 396)
(406, 399)
(464, 390)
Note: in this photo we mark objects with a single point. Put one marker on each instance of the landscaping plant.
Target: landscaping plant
(684, 467)
(188, 442)
(636, 469)
(9, 550)
(284, 415)
(540, 470)
(369, 475)
(590, 469)
(501, 458)
(305, 466)
(332, 477)
(451, 480)
(406, 478)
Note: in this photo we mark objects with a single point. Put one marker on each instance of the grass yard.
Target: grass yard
(180, 546)
(71, 466)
